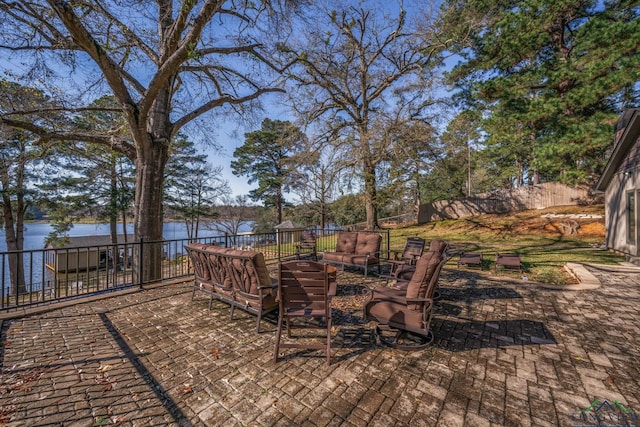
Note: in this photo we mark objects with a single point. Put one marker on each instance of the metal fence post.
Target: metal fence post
(278, 241)
(140, 262)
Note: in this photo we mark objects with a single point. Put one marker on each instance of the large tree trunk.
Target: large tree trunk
(14, 237)
(370, 197)
(279, 202)
(113, 206)
(14, 225)
(148, 219)
(369, 175)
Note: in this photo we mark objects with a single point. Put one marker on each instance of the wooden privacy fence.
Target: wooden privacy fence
(538, 196)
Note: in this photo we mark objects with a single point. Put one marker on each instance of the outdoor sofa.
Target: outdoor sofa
(236, 277)
(359, 249)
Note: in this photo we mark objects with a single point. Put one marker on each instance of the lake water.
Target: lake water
(35, 235)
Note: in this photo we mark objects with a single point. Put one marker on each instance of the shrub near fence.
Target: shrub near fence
(522, 198)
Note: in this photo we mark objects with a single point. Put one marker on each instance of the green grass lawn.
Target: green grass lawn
(540, 241)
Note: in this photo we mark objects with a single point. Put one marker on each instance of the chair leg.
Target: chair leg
(278, 334)
(210, 301)
(258, 322)
(328, 341)
(233, 307)
(404, 340)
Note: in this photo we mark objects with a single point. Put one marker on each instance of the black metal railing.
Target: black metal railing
(35, 277)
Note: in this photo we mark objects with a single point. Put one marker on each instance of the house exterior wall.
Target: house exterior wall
(625, 181)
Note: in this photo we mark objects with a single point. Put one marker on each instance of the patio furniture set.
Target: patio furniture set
(304, 288)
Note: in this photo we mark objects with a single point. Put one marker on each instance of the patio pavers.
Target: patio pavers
(507, 352)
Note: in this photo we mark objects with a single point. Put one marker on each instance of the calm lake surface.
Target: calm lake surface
(35, 235)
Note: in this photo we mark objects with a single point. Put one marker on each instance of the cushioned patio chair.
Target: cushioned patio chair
(404, 315)
(306, 247)
(303, 288)
(413, 248)
(404, 272)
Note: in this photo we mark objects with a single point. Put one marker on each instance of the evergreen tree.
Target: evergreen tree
(85, 179)
(21, 159)
(551, 78)
(193, 186)
(266, 158)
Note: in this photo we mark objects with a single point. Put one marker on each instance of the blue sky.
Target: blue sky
(229, 135)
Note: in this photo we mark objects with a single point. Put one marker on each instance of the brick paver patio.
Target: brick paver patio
(507, 352)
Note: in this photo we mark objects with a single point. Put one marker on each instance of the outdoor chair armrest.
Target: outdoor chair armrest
(390, 296)
(400, 283)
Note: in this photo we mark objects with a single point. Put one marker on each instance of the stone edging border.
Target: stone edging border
(586, 279)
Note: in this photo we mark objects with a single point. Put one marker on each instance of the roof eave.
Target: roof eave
(627, 140)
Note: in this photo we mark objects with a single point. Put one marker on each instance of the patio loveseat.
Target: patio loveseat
(238, 278)
(359, 249)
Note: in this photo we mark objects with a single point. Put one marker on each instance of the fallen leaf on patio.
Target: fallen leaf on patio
(118, 420)
(578, 358)
(103, 368)
(186, 389)
(215, 352)
(611, 378)
(107, 387)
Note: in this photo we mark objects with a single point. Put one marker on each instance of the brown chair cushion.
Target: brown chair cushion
(360, 259)
(437, 245)
(335, 256)
(262, 273)
(346, 242)
(395, 314)
(368, 243)
(417, 287)
(267, 303)
(405, 272)
(246, 278)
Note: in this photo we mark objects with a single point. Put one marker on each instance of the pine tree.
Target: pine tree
(551, 78)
